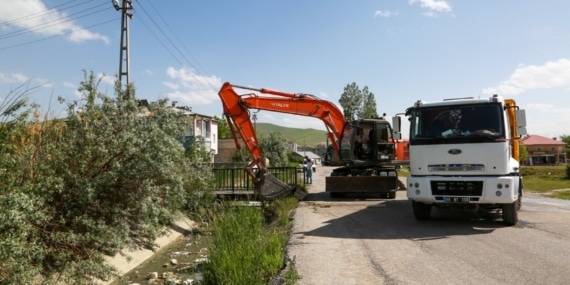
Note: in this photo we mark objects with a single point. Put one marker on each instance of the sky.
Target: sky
(402, 50)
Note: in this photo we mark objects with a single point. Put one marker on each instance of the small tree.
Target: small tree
(350, 101)
(566, 139)
(523, 153)
(358, 104)
(274, 148)
(223, 128)
(368, 108)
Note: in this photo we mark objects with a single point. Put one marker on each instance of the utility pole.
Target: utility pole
(124, 59)
(254, 117)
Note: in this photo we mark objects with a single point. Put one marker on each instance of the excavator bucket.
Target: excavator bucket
(270, 187)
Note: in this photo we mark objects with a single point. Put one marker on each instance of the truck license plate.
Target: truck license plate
(456, 199)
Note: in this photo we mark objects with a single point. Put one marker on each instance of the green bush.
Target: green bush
(75, 190)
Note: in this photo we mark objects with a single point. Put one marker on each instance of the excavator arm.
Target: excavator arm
(237, 111)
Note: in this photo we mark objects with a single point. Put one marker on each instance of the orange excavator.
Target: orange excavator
(364, 149)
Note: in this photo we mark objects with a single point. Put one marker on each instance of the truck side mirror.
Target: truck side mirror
(396, 124)
(521, 122)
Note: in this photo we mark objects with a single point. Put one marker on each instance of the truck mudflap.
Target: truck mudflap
(362, 184)
(270, 187)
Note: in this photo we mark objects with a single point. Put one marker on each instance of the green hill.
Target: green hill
(309, 137)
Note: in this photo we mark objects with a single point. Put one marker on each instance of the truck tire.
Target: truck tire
(337, 195)
(422, 211)
(510, 215)
(519, 200)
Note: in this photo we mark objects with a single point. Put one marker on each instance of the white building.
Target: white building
(199, 125)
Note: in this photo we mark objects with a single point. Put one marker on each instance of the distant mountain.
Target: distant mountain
(308, 137)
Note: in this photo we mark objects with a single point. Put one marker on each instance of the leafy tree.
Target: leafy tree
(566, 139)
(523, 153)
(358, 104)
(368, 108)
(223, 128)
(274, 148)
(350, 101)
(104, 180)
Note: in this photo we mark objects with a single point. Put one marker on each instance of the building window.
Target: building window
(539, 148)
(552, 148)
(199, 127)
(207, 128)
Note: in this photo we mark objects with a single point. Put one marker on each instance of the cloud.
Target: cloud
(33, 16)
(547, 119)
(106, 79)
(385, 14)
(13, 78)
(549, 75)
(192, 88)
(44, 83)
(433, 5)
(69, 85)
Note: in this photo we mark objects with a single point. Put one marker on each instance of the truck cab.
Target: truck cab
(464, 155)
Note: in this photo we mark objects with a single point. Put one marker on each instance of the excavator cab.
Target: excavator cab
(367, 141)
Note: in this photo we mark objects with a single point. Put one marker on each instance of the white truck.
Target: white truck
(464, 154)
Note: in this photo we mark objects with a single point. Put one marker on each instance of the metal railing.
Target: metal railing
(237, 179)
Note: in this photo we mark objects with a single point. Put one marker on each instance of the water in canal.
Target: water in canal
(176, 263)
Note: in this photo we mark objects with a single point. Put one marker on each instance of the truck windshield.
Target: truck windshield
(464, 122)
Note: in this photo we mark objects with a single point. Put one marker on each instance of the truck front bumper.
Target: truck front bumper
(471, 190)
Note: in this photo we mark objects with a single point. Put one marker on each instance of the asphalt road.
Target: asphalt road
(378, 241)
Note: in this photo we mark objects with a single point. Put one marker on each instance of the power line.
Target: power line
(177, 38)
(41, 13)
(55, 36)
(55, 22)
(200, 80)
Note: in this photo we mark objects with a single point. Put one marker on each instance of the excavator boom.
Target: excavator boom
(237, 111)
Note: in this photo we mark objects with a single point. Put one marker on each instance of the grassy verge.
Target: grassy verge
(545, 179)
(248, 244)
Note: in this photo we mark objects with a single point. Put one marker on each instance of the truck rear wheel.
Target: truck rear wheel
(337, 195)
(510, 215)
(422, 211)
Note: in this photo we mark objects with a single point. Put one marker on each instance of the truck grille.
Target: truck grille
(457, 188)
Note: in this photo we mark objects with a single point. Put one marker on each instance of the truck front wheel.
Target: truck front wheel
(422, 211)
(510, 215)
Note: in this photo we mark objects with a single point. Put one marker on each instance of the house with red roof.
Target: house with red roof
(543, 150)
